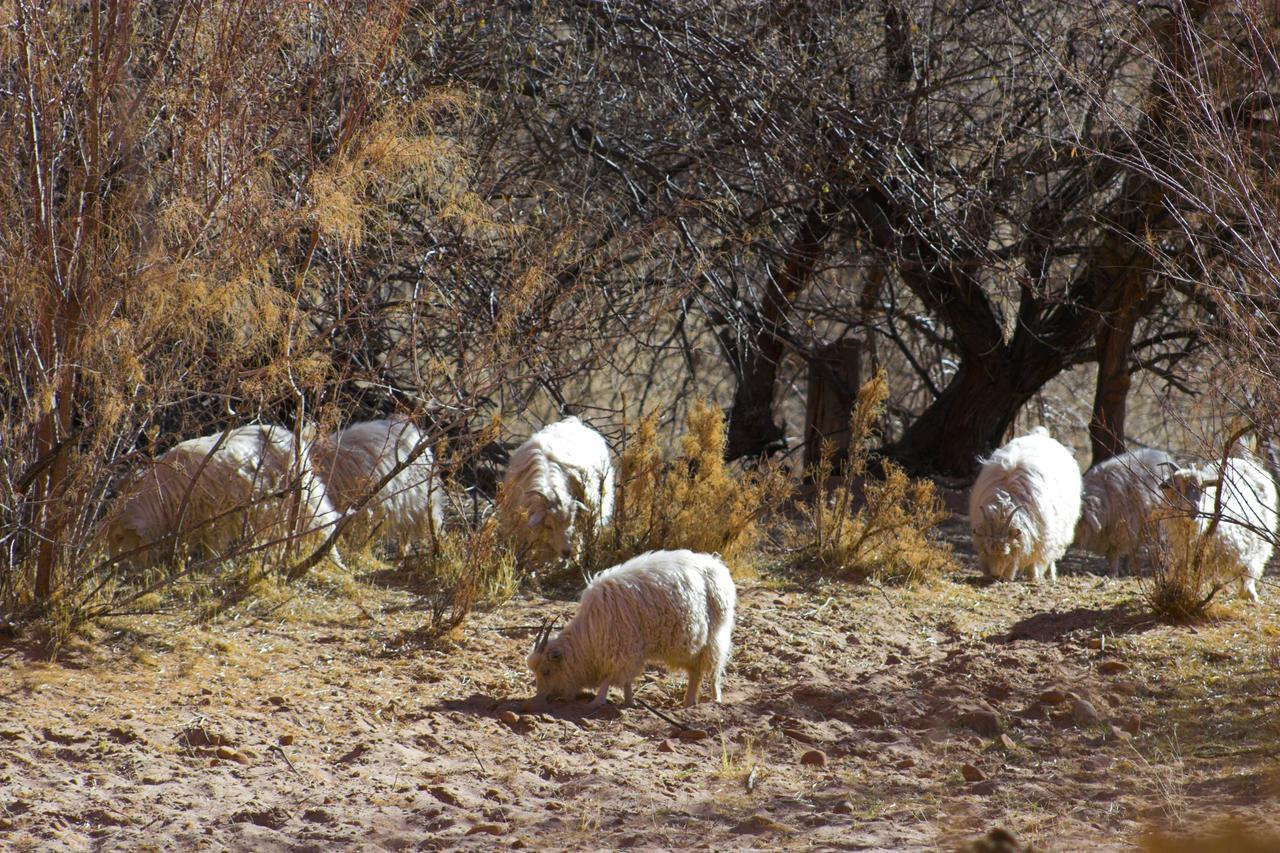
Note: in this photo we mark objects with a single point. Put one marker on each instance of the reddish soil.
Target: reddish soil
(928, 715)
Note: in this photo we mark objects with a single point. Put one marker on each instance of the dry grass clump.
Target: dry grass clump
(693, 501)
(464, 570)
(1232, 836)
(1187, 572)
(860, 528)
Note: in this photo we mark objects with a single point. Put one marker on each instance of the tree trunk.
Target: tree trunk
(752, 430)
(835, 372)
(1110, 398)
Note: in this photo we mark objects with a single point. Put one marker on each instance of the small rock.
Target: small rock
(198, 736)
(905, 763)
(814, 758)
(487, 829)
(1120, 734)
(1006, 743)
(1113, 667)
(278, 701)
(285, 740)
(1053, 696)
(314, 815)
(666, 746)
(1132, 724)
(972, 774)
(1095, 642)
(1083, 712)
(892, 660)
(760, 823)
(226, 753)
(509, 717)
(692, 734)
(796, 734)
(445, 795)
(553, 806)
(984, 721)
(843, 807)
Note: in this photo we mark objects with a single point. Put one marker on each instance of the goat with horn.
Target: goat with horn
(1024, 507)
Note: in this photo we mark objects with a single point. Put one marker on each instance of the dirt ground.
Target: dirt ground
(855, 718)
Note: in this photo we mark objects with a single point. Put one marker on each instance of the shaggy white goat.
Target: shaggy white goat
(1247, 527)
(1024, 505)
(560, 474)
(247, 485)
(674, 607)
(354, 460)
(1120, 495)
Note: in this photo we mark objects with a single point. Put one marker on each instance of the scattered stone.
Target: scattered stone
(554, 806)
(226, 753)
(843, 807)
(315, 815)
(285, 740)
(1113, 667)
(1132, 724)
(278, 701)
(666, 746)
(998, 841)
(511, 718)
(10, 734)
(1119, 734)
(692, 734)
(796, 734)
(814, 758)
(1095, 642)
(123, 734)
(487, 829)
(982, 720)
(892, 660)
(972, 774)
(447, 795)
(272, 818)
(1083, 712)
(1053, 696)
(905, 763)
(1006, 743)
(199, 736)
(760, 823)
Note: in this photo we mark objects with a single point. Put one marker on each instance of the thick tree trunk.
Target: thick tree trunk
(752, 430)
(1111, 394)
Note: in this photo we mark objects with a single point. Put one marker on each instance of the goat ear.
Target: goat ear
(555, 654)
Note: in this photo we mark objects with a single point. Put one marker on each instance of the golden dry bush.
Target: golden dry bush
(863, 528)
(1187, 572)
(468, 567)
(693, 500)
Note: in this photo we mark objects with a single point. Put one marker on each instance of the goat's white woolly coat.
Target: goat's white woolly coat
(354, 460)
(672, 607)
(1245, 534)
(560, 473)
(1121, 495)
(1024, 506)
(249, 485)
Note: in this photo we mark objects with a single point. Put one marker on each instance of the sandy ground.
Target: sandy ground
(855, 718)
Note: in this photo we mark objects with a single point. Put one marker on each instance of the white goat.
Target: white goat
(1246, 530)
(674, 607)
(248, 485)
(1024, 505)
(560, 474)
(1120, 495)
(354, 460)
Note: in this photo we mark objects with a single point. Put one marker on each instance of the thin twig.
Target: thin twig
(285, 756)
(476, 755)
(656, 712)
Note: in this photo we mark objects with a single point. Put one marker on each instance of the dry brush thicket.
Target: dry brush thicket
(308, 215)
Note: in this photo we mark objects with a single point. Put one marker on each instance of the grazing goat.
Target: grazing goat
(559, 475)
(1120, 495)
(674, 607)
(1244, 535)
(247, 485)
(354, 460)
(1024, 506)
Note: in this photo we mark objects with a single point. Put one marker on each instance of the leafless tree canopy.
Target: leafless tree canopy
(216, 213)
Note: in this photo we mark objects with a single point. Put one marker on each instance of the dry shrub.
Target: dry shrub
(467, 568)
(693, 501)
(1187, 572)
(861, 528)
